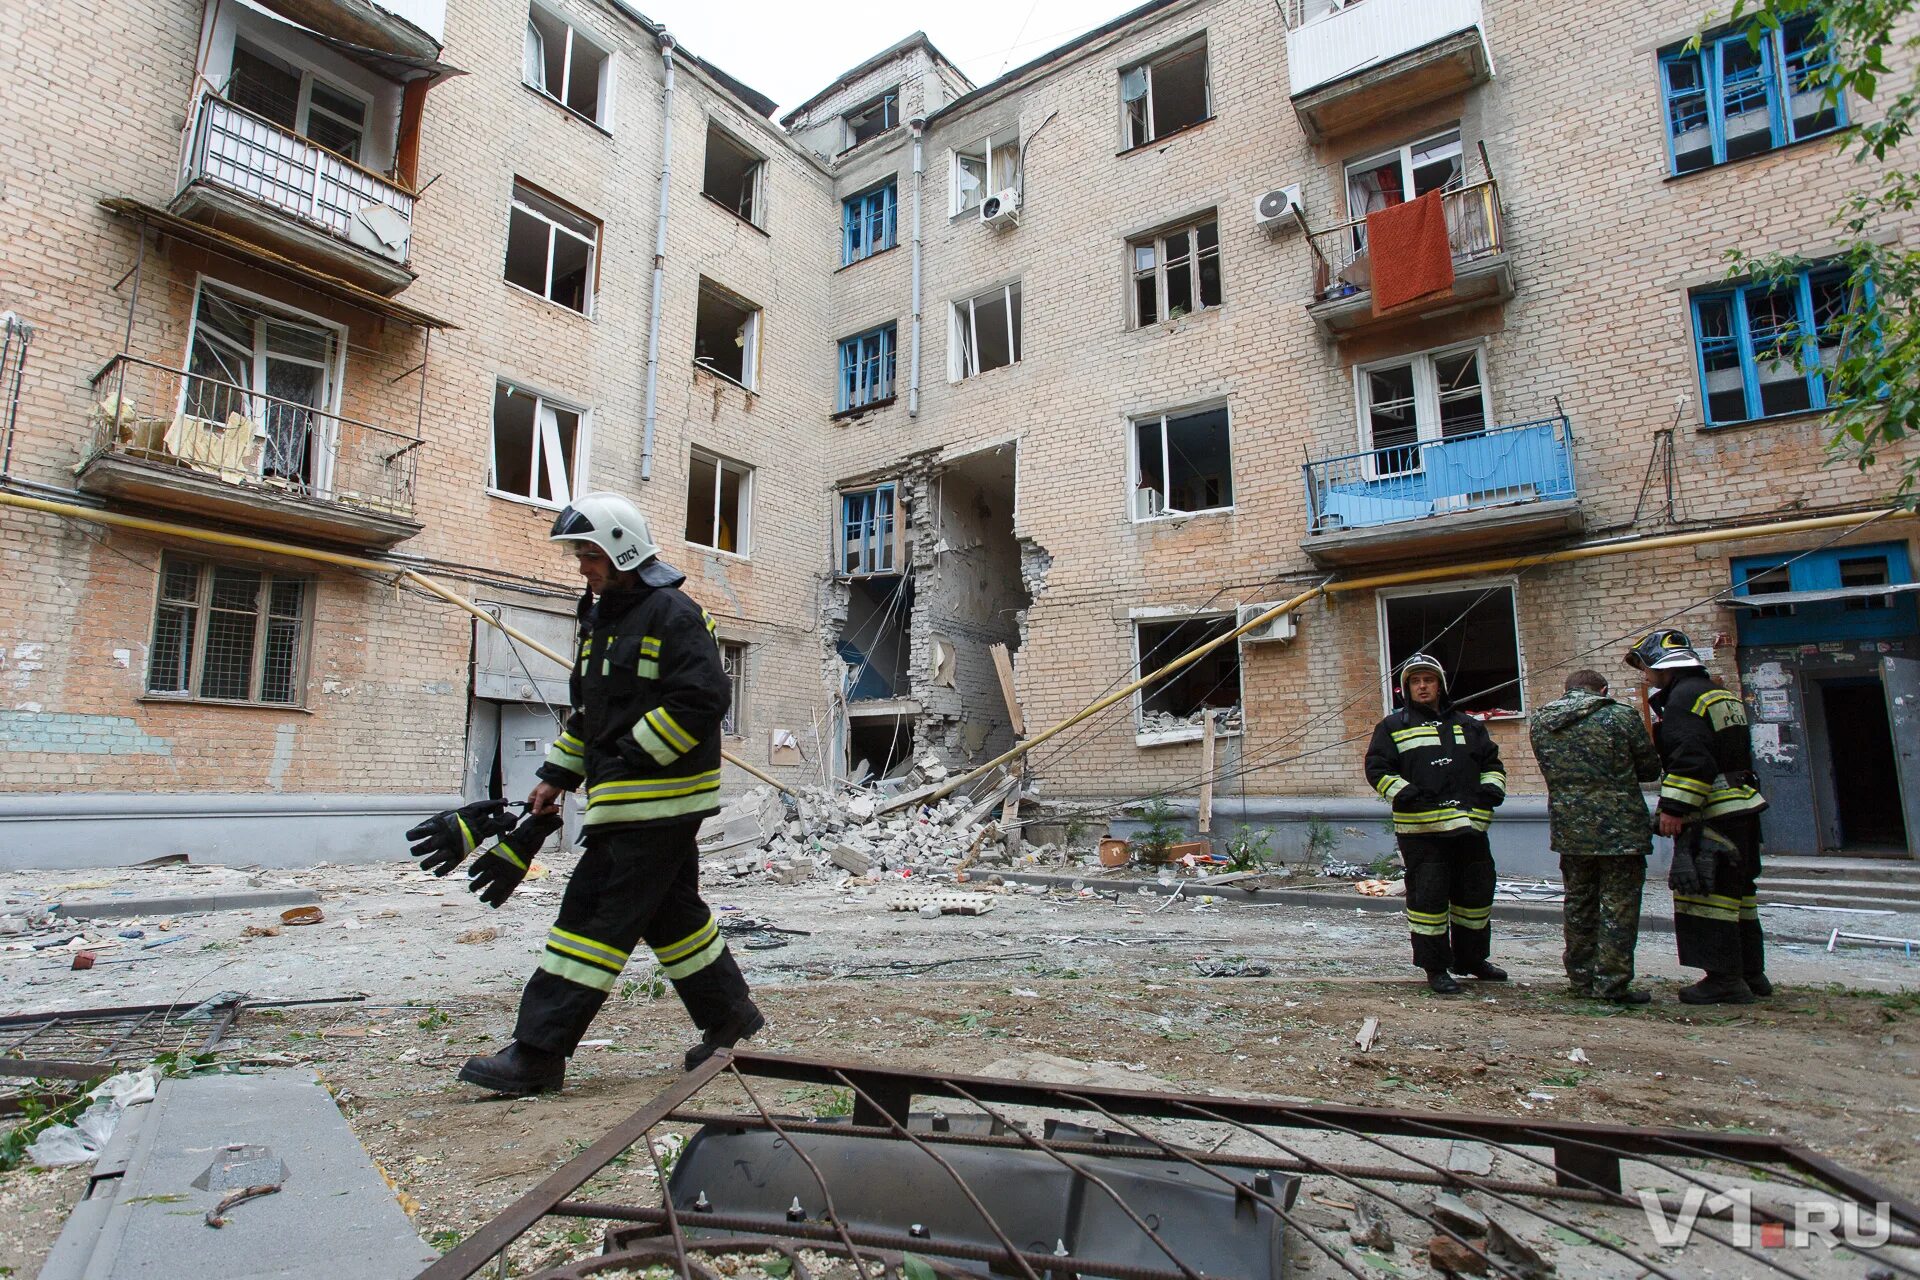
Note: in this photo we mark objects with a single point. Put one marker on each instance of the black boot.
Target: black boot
(517, 1070)
(744, 1021)
(1442, 983)
(1759, 984)
(1627, 997)
(1486, 971)
(1718, 988)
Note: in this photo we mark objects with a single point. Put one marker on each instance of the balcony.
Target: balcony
(1355, 63)
(1488, 489)
(180, 441)
(251, 177)
(1482, 272)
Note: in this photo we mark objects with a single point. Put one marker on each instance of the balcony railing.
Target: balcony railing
(1523, 463)
(1343, 263)
(1328, 43)
(251, 155)
(205, 428)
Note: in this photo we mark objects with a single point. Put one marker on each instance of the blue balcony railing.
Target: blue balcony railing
(1525, 462)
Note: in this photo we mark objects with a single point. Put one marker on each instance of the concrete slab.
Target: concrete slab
(334, 1215)
(187, 904)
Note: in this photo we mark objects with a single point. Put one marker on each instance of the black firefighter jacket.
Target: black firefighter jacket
(1439, 768)
(1701, 732)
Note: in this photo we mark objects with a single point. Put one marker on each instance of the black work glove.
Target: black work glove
(496, 873)
(1489, 798)
(1692, 871)
(445, 839)
(1415, 798)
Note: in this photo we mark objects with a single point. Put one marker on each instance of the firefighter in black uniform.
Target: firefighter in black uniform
(1442, 773)
(648, 695)
(1711, 807)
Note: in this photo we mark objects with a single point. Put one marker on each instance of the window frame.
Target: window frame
(1149, 63)
(577, 479)
(757, 197)
(733, 724)
(1710, 60)
(304, 108)
(1403, 155)
(749, 379)
(204, 567)
(881, 200)
(722, 465)
(1001, 140)
(516, 204)
(888, 101)
(1156, 240)
(1818, 621)
(1135, 474)
(1151, 615)
(960, 354)
(1806, 324)
(1426, 406)
(871, 539)
(602, 119)
(886, 339)
(1510, 582)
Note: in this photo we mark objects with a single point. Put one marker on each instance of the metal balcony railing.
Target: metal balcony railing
(1522, 463)
(251, 155)
(171, 418)
(1328, 40)
(1343, 265)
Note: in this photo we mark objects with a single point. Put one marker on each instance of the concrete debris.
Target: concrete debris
(1450, 1257)
(1368, 1225)
(960, 904)
(1455, 1212)
(1368, 1033)
(1226, 719)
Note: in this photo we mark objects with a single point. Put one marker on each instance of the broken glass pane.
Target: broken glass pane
(700, 484)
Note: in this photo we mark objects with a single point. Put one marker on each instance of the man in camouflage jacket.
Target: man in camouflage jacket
(1594, 753)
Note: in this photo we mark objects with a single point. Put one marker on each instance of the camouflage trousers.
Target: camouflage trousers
(1602, 921)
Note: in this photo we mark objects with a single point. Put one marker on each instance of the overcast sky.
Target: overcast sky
(789, 51)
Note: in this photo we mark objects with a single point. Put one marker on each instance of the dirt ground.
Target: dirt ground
(1829, 1062)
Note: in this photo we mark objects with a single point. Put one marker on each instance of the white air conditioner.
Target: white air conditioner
(1274, 210)
(1282, 628)
(1002, 208)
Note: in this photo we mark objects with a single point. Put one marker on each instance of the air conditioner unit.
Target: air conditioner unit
(1274, 210)
(1282, 628)
(1002, 208)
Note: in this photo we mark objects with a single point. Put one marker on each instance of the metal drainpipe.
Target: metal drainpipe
(659, 260)
(919, 128)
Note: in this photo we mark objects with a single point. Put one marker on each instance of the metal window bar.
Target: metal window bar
(1343, 265)
(1582, 1166)
(84, 1044)
(1522, 462)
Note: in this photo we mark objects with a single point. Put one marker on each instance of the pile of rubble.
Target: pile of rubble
(1225, 720)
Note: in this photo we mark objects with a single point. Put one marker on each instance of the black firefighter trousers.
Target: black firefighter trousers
(1449, 898)
(1719, 930)
(642, 884)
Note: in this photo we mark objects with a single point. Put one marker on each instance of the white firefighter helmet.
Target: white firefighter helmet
(1424, 662)
(610, 522)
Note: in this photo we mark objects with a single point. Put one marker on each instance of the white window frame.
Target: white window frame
(732, 726)
(515, 204)
(303, 104)
(749, 378)
(1404, 153)
(1177, 614)
(602, 117)
(759, 215)
(1509, 581)
(538, 462)
(1147, 64)
(1157, 242)
(960, 354)
(1134, 473)
(1005, 140)
(744, 535)
(1426, 399)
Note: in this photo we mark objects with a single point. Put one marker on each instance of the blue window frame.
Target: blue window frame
(1860, 617)
(1730, 99)
(867, 223)
(866, 368)
(869, 533)
(1751, 344)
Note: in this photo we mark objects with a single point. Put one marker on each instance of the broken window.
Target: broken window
(1879, 571)
(873, 118)
(1765, 580)
(229, 633)
(1176, 704)
(726, 334)
(1166, 93)
(1472, 630)
(550, 249)
(1764, 348)
(986, 168)
(297, 100)
(537, 447)
(275, 369)
(1435, 395)
(868, 223)
(1865, 571)
(718, 494)
(1182, 463)
(986, 332)
(1404, 173)
(733, 661)
(733, 173)
(866, 368)
(568, 67)
(1176, 272)
(870, 532)
(1730, 98)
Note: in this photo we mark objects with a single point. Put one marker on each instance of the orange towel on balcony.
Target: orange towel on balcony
(1411, 256)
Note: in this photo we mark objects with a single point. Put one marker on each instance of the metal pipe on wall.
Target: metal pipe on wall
(919, 127)
(659, 259)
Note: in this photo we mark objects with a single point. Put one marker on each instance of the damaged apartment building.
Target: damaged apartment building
(961, 406)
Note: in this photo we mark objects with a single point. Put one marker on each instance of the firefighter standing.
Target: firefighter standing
(1442, 773)
(1711, 808)
(648, 696)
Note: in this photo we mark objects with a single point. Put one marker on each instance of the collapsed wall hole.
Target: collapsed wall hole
(874, 639)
